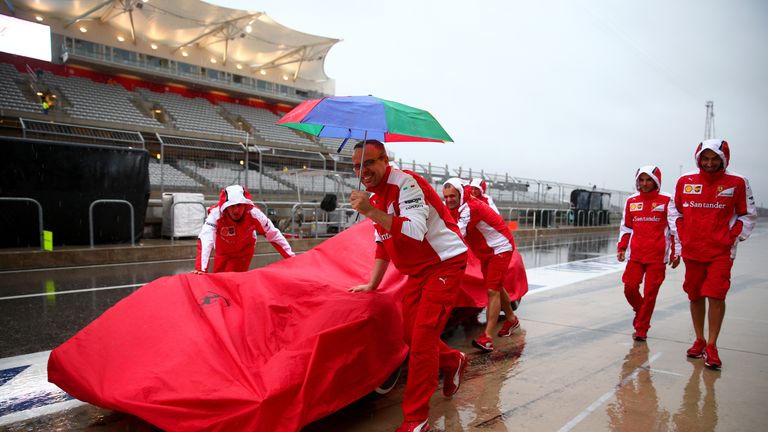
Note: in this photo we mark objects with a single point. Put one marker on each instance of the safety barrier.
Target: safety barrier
(543, 218)
(39, 213)
(116, 201)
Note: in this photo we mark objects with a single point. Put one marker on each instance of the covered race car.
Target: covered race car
(271, 349)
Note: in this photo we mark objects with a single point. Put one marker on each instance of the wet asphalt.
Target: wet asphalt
(571, 366)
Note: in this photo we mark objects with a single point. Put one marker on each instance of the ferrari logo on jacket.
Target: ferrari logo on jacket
(725, 192)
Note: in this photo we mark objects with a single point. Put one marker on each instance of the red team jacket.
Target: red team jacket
(483, 229)
(423, 233)
(714, 211)
(236, 238)
(646, 232)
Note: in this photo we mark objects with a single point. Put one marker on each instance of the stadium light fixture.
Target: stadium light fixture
(38, 18)
(239, 66)
(184, 54)
(285, 77)
(213, 60)
(248, 28)
(154, 46)
(83, 29)
(262, 72)
(120, 38)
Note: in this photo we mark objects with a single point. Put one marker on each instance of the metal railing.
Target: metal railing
(543, 218)
(39, 214)
(117, 201)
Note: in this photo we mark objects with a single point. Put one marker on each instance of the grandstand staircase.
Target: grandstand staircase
(145, 107)
(195, 176)
(285, 183)
(237, 122)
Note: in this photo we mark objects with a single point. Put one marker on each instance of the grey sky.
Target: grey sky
(565, 90)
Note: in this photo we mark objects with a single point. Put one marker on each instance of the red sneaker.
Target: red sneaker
(508, 327)
(454, 376)
(484, 343)
(711, 357)
(415, 426)
(640, 335)
(697, 350)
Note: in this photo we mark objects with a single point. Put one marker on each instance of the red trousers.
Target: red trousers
(495, 270)
(232, 263)
(429, 298)
(643, 304)
(708, 279)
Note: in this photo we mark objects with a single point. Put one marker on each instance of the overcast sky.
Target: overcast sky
(574, 91)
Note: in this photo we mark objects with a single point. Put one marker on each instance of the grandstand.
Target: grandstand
(203, 104)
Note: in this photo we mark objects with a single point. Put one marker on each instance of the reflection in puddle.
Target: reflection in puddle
(698, 412)
(636, 407)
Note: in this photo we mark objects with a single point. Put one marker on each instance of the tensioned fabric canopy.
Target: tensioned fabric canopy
(249, 38)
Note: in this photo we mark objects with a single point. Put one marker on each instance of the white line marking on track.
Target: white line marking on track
(601, 400)
(72, 291)
(29, 394)
(559, 275)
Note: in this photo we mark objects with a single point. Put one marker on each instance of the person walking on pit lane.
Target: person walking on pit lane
(414, 230)
(489, 238)
(478, 189)
(231, 228)
(648, 240)
(715, 210)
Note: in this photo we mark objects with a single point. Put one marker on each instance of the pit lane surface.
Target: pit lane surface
(572, 366)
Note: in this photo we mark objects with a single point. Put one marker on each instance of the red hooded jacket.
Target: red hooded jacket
(646, 232)
(713, 211)
(236, 238)
(483, 229)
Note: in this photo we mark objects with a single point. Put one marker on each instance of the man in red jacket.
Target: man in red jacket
(414, 230)
(489, 238)
(478, 188)
(715, 211)
(649, 241)
(231, 228)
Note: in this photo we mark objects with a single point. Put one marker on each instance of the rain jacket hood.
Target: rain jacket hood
(479, 183)
(652, 171)
(459, 185)
(716, 145)
(234, 194)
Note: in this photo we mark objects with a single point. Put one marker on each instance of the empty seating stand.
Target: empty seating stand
(171, 177)
(192, 114)
(263, 123)
(11, 96)
(102, 102)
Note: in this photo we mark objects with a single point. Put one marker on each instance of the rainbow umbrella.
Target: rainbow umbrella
(364, 117)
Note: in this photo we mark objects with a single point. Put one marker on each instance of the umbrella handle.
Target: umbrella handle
(343, 143)
(362, 159)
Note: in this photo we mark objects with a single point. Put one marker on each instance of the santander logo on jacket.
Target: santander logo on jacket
(422, 232)
(646, 233)
(713, 210)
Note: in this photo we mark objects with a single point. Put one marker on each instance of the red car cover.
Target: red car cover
(271, 349)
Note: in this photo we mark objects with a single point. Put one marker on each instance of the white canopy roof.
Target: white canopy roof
(250, 38)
